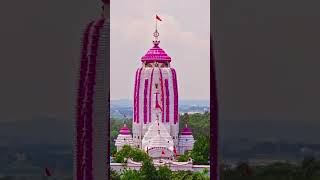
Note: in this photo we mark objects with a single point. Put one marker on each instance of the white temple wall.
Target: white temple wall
(140, 128)
(186, 143)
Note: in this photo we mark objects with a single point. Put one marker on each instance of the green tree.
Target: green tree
(202, 175)
(185, 175)
(201, 150)
(122, 154)
(129, 152)
(114, 175)
(148, 171)
(309, 167)
(129, 174)
(199, 123)
(114, 134)
(164, 173)
(184, 157)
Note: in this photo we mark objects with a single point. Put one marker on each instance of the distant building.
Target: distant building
(186, 140)
(124, 138)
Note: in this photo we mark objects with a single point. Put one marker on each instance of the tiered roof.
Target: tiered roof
(157, 136)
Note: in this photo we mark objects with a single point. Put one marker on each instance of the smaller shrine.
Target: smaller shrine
(157, 142)
(186, 140)
(124, 138)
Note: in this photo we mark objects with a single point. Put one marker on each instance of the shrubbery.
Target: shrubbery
(148, 171)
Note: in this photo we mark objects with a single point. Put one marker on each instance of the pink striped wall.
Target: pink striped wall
(162, 94)
(167, 100)
(145, 101)
(138, 96)
(175, 94)
(135, 95)
(150, 94)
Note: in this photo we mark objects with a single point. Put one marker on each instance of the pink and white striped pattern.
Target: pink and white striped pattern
(156, 54)
(135, 96)
(148, 98)
(175, 94)
(87, 108)
(145, 102)
(150, 95)
(162, 94)
(138, 97)
(167, 100)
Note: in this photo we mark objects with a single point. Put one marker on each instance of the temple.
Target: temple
(155, 126)
(124, 138)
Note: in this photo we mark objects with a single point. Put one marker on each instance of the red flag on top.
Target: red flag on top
(158, 18)
(47, 172)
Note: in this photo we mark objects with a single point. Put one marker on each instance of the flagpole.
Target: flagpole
(156, 23)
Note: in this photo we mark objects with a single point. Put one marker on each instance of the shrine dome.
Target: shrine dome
(125, 130)
(186, 131)
(156, 54)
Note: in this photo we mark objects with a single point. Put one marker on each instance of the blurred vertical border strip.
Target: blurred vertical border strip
(214, 160)
(213, 117)
(107, 6)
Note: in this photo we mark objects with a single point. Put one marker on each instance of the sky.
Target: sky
(267, 54)
(184, 35)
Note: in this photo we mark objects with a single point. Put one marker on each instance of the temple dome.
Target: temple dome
(124, 138)
(186, 131)
(156, 54)
(125, 130)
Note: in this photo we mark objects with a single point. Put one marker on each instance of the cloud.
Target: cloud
(131, 37)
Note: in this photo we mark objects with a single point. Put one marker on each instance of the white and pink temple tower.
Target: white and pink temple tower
(155, 126)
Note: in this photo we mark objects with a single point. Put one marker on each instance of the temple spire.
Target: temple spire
(125, 120)
(156, 42)
(156, 33)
